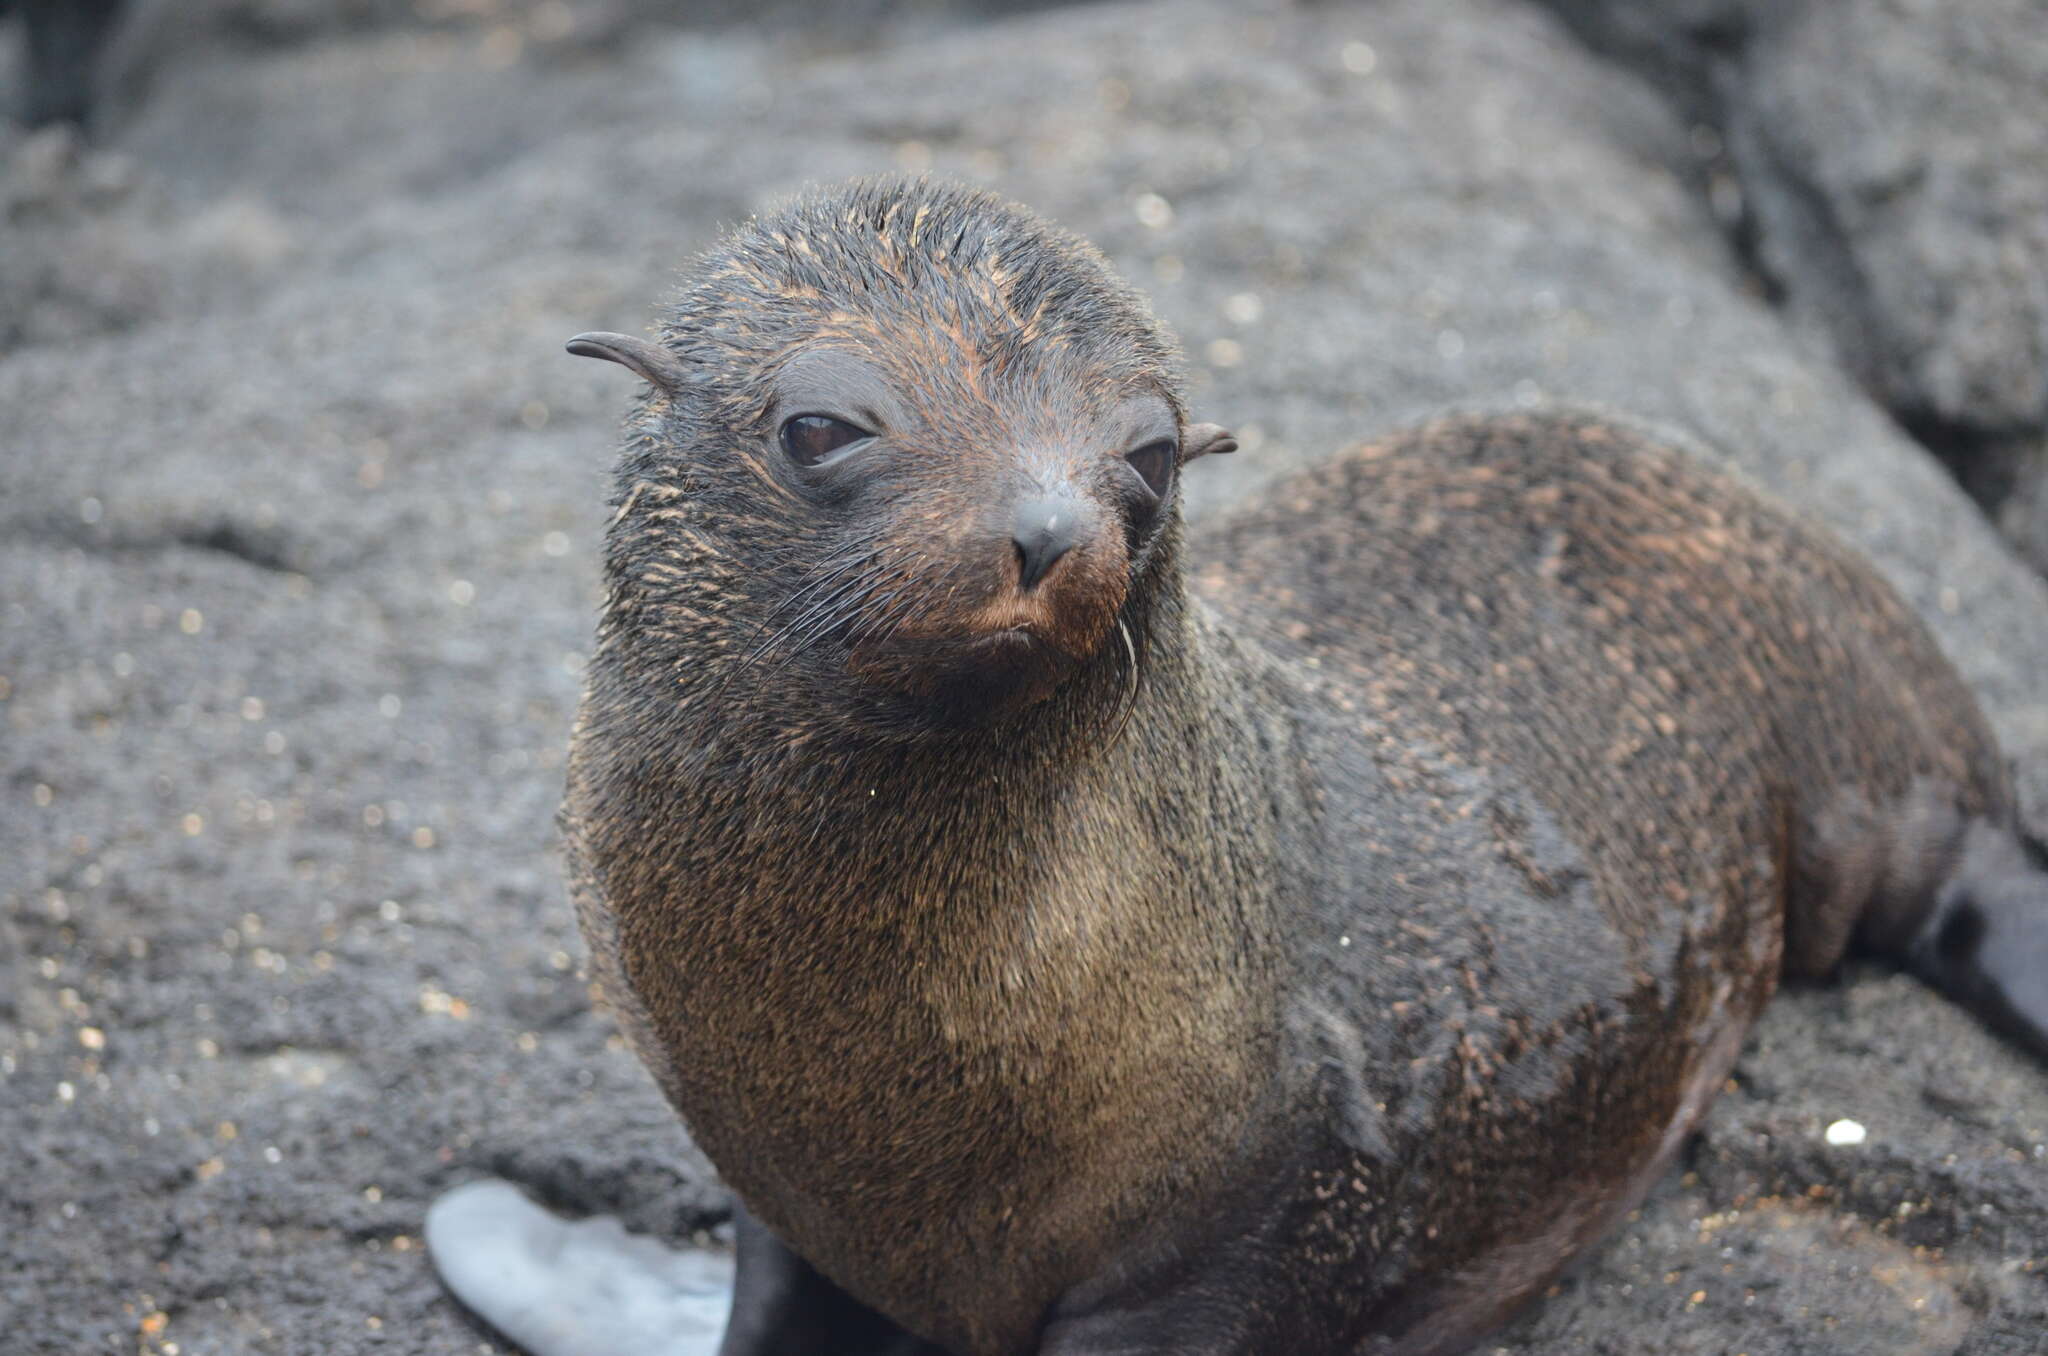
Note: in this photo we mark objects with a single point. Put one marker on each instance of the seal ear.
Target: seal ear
(650, 360)
(1199, 440)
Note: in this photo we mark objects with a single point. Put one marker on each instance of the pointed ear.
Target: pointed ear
(650, 360)
(1199, 440)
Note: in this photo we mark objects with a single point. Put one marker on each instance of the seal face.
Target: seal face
(924, 460)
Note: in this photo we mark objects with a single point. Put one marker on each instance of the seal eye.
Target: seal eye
(1154, 464)
(811, 438)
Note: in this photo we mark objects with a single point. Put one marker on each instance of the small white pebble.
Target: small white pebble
(1846, 1132)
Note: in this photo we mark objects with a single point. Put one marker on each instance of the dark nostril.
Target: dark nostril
(1046, 530)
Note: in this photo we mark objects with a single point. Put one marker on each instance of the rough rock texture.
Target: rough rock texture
(299, 506)
(1888, 163)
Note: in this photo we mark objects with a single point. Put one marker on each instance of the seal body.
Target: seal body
(1308, 950)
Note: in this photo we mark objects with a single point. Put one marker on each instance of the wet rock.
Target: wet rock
(297, 565)
(1897, 159)
(1893, 164)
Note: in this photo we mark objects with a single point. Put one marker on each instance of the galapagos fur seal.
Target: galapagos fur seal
(1061, 946)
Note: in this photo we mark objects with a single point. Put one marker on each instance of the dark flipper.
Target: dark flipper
(1956, 900)
(589, 1288)
(782, 1307)
(1985, 943)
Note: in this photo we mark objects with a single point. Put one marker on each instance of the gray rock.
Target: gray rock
(1892, 162)
(298, 529)
(1897, 158)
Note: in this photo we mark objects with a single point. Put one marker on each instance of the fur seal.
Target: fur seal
(1063, 947)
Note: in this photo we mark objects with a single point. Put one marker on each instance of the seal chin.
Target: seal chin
(956, 683)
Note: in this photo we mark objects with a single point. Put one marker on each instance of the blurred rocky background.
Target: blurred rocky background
(300, 503)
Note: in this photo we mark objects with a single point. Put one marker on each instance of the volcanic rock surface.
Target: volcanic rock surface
(300, 503)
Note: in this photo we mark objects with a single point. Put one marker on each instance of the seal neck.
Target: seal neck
(993, 942)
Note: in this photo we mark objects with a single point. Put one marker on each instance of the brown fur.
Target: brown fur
(1321, 990)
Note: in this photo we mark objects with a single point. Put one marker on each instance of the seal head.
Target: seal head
(908, 444)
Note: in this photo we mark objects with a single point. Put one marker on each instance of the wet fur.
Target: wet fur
(1324, 990)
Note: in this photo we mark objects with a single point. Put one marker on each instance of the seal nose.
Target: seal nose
(1046, 530)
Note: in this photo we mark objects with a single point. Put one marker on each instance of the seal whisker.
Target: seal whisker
(838, 575)
(843, 606)
(1130, 701)
(941, 591)
(820, 577)
(835, 588)
(896, 607)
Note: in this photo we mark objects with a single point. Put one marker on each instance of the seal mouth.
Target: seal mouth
(1010, 643)
(966, 679)
(949, 644)
(989, 653)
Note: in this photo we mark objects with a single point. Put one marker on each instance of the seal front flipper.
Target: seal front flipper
(781, 1306)
(1985, 941)
(588, 1288)
(581, 1288)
